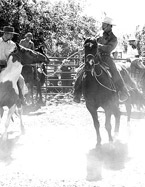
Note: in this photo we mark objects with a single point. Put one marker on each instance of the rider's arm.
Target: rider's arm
(107, 45)
(33, 48)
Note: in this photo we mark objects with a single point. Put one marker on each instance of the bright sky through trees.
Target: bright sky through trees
(127, 14)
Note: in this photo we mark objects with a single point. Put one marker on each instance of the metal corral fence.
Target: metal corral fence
(60, 75)
(61, 80)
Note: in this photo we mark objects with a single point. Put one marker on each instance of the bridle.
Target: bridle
(93, 60)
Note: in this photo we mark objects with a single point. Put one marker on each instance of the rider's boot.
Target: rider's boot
(123, 94)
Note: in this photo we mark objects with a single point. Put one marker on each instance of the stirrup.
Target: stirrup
(122, 96)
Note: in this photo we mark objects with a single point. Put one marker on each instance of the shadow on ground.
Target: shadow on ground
(112, 156)
(6, 149)
(135, 114)
(32, 110)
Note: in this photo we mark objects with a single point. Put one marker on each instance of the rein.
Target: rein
(59, 67)
(93, 72)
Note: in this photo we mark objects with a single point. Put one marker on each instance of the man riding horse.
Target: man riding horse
(106, 44)
(6, 47)
(137, 66)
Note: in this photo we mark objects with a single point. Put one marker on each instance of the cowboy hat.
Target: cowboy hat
(29, 34)
(8, 29)
(108, 21)
(132, 38)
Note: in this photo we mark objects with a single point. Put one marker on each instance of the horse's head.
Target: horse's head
(41, 50)
(91, 48)
(27, 56)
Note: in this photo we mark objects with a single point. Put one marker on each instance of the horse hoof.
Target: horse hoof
(23, 132)
(98, 145)
(116, 135)
(4, 137)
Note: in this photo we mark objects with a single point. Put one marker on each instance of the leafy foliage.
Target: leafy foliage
(58, 22)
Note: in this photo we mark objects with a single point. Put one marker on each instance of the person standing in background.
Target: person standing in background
(27, 41)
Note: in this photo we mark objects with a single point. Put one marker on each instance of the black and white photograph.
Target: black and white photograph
(72, 93)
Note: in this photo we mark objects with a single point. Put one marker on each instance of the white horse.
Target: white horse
(9, 94)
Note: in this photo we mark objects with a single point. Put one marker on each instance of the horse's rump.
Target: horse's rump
(125, 73)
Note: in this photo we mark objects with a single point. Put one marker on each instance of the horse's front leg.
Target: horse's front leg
(9, 116)
(117, 114)
(32, 94)
(21, 122)
(108, 124)
(94, 114)
(128, 111)
(1, 113)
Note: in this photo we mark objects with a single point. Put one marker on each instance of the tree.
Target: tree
(65, 21)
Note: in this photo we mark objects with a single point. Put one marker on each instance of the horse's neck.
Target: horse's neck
(11, 72)
(89, 76)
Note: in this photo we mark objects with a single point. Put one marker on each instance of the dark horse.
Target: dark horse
(35, 76)
(98, 90)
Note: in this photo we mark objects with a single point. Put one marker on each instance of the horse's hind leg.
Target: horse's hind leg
(32, 94)
(116, 113)
(93, 112)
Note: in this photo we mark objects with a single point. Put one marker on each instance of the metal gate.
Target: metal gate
(60, 80)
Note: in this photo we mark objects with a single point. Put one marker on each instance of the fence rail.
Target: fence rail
(61, 81)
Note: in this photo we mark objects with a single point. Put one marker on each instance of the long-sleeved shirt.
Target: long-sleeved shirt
(132, 53)
(5, 49)
(107, 42)
(27, 44)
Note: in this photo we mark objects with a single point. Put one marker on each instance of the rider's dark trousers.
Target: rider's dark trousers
(116, 76)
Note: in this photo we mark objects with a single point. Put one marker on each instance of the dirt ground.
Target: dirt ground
(58, 149)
